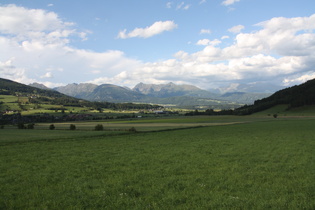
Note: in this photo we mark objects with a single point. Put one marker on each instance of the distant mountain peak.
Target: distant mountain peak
(171, 89)
(40, 86)
(77, 90)
(168, 93)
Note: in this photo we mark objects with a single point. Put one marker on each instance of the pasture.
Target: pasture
(221, 162)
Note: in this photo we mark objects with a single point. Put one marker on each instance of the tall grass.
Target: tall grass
(245, 166)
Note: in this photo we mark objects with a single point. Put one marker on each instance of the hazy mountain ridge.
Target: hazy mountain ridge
(171, 90)
(170, 93)
(181, 95)
(243, 97)
(114, 93)
(256, 87)
(82, 90)
(34, 98)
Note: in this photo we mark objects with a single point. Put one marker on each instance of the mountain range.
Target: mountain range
(169, 94)
(26, 97)
(295, 96)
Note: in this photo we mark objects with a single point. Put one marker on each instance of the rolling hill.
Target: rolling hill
(8, 87)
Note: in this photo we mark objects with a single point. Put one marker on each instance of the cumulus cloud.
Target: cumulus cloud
(47, 75)
(229, 2)
(281, 50)
(21, 21)
(37, 42)
(205, 31)
(208, 42)
(9, 71)
(236, 29)
(283, 46)
(155, 29)
(299, 78)
(38, 25)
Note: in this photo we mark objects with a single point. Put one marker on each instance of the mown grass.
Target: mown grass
(257, 165)
(196, 119)
(154, 124)
(12, 136)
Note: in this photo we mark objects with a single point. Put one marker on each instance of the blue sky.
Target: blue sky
(208, 43)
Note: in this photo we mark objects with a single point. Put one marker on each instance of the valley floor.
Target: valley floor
(254, 162)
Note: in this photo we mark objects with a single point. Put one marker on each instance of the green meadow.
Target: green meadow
(220, 162)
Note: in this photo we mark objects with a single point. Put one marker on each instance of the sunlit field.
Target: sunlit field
(203, 163)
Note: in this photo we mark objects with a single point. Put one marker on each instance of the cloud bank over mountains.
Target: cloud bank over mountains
(36, 46)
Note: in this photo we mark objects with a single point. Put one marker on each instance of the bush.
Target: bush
(132, 129)
(21, 126)
(30, 126)
(72, 127)
(1, 126)
(99, 127)
(52, 127)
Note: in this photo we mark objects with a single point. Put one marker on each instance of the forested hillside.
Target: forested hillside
(295, 96)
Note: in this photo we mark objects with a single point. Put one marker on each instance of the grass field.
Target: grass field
(282, 111)
(258, 163)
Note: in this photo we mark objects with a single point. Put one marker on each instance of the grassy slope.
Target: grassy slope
(246, 166)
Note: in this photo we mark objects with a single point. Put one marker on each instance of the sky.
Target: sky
(212, 44)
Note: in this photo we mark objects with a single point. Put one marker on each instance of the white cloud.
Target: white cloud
(290, 40)
(186, 7)
(47, 75)
(208, 42)
(183, 6)
(10, 71)
(281, 36)
(203, 42)
(36, 24)
(282, 50)
(21, 21)
(180, 6)
(229, 2)
(225, 37)
(169, 5)
(289, 81)
(155, 29)
(236, 29)
(44, 53)
(202, 1)
(205, 31)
